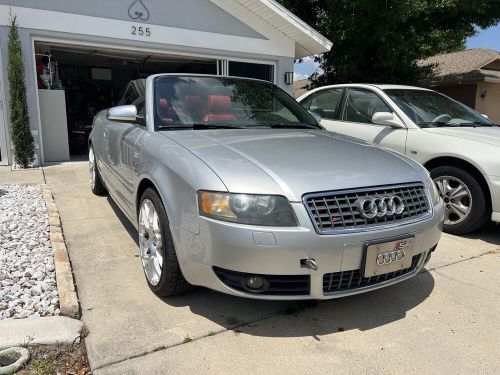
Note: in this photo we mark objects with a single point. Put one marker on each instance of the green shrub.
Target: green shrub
(22, 139)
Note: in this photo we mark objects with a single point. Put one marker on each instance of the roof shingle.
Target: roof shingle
(463, 65)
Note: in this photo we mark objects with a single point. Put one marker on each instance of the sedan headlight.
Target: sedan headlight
(268, 210)
(433, 189)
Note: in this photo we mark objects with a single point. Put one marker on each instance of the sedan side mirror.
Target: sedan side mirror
(387, 119)
(124, 113)
(485, 116)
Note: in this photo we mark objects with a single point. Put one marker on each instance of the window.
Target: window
(194, 101)
(130, 96)
(361, 104)
(429, 108)
(251, 70)
(324, 103)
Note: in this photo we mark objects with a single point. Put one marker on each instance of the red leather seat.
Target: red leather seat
(219, 109)
(164, 110)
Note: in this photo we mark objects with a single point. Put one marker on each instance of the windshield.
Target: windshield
(432, 109)
(213, 102)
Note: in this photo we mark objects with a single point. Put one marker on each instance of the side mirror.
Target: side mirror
(124, 113)
(485, 116)
(387, 119)
(316, 115)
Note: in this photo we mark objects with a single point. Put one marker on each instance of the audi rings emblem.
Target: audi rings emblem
(390, 257)
(370, 208)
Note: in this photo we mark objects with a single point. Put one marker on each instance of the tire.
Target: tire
(170, 281)
(96, 183)
(471, 196)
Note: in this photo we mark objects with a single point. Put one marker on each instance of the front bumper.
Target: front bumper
(494, 185)
(279, 251)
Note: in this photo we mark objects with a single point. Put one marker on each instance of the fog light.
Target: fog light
(255, 282)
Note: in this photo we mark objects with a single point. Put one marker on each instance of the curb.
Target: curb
(68, 300)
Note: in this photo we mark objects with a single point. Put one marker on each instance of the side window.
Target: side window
(130, 96)
(361, 104)
(324, 103)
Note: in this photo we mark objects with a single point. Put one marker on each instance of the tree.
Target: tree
(22, 139)
(381, 41)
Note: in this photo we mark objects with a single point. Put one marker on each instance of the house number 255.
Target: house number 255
(141, 31)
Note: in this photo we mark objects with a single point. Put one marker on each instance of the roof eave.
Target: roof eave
(308, 41)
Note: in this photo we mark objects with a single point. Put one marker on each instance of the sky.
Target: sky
(489, 38)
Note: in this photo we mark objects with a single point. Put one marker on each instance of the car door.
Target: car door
(325, 103)
(120, 139)
(354, 118)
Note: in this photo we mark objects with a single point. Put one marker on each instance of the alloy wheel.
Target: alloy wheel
(92, 167)
(457, 199)
(150, 242)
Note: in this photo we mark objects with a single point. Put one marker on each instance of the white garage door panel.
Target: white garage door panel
(54, 125)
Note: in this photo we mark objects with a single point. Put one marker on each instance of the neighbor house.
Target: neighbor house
(471, 76)
(79, 55)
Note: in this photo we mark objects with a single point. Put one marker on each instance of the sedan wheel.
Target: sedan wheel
(150, 242)
(457, 199)
(467, 204)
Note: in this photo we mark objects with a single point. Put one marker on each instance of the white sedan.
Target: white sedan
(459, 146)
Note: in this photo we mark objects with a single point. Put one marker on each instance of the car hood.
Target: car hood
(294, 162)
(490, 135)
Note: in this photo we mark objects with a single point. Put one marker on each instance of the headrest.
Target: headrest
(218, 104)
(163, 107)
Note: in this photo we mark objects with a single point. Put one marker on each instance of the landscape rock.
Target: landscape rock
(27, 274)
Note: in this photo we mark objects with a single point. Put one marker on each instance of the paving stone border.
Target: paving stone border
(68, 299)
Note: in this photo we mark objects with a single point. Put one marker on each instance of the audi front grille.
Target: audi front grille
(350, 280)
(338, 211)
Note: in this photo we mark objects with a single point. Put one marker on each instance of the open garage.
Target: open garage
(81, 64)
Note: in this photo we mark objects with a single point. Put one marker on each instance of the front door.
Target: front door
(354, 118)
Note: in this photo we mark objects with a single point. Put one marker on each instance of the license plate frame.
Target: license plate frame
(398, 255)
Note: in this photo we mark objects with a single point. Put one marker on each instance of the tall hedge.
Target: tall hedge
(20, 133)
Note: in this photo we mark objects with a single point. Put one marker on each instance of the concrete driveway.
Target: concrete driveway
(445, 320)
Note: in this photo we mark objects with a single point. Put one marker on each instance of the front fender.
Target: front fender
(177, 175)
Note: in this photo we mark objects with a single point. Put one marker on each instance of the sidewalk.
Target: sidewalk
(31, 176)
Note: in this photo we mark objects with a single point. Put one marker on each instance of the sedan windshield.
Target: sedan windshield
(432, 109)
(197, 102)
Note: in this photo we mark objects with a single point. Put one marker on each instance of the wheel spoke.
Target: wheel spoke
(150, 241)
(459, 209)
(459, 192)
(457, 198)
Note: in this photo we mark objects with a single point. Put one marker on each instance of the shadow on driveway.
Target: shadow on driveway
(301, 318)
(490, 233)
(314, 318)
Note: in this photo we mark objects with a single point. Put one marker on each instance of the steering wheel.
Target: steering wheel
(442, 118)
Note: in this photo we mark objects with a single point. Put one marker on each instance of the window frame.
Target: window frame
(344, 105)
(311, 97)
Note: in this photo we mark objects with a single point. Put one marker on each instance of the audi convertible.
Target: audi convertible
(234, 186)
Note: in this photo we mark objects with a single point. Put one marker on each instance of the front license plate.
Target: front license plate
(388, 257)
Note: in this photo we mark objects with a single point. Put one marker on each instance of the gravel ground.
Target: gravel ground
(27, 277)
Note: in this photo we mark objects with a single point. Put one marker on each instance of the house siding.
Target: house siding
(463, 93)
(490, 105)
(201, 15)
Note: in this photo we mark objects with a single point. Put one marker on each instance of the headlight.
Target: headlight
(268, 210)
(433, 189)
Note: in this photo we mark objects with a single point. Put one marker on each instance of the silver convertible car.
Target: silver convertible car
(234, 186)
